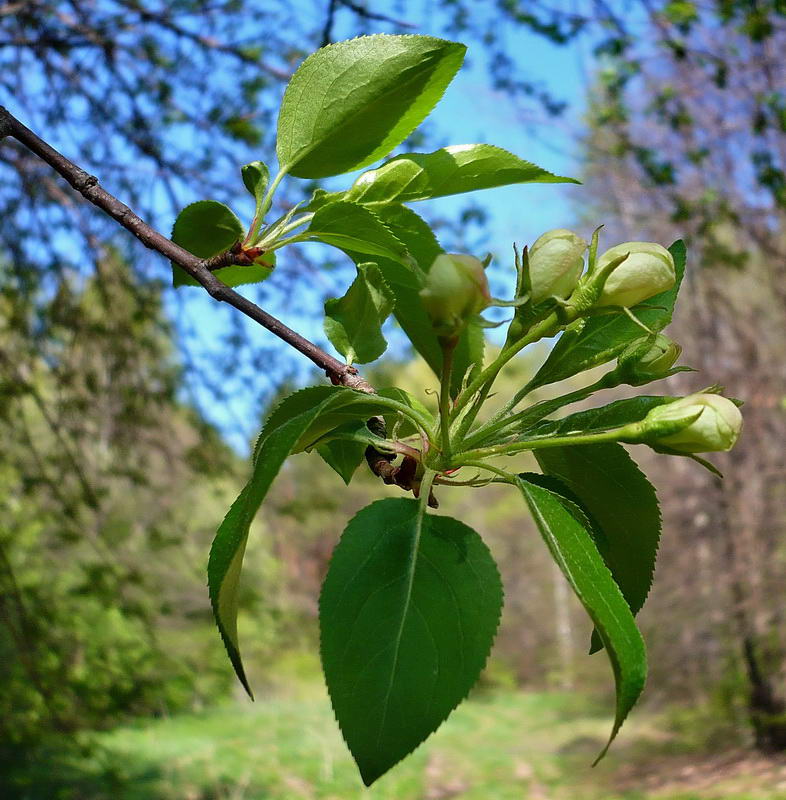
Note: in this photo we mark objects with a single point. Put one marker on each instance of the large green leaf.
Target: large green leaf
(206, 229)
(408, 613)
(353, 227)
(353, 323)
(423, 246)
(573, 549)
(229, 545)
(349, 104)
(595, 340)
(450, 170)
(622, 505)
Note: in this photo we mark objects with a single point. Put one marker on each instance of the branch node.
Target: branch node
(85, 182)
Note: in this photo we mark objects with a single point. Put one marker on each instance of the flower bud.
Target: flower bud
(456, 289)
(647, 359)
(556, 261)
(647, 271)
(716, 427)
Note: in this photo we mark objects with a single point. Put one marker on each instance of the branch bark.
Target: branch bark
(199, 269)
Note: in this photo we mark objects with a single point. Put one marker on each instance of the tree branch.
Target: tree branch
(199, 269)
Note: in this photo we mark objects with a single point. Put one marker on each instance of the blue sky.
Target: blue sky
(471, 111)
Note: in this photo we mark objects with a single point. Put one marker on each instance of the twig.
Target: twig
(199, 269)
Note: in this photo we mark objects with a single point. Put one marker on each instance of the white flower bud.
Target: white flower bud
(556, 261)
(717, 426)
(456, 289)
(647, 271)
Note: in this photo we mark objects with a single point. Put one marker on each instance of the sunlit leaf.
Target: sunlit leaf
(349, 104)
(450, 170)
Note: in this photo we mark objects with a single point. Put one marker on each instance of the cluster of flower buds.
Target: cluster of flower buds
(624, 276)
(456, 289)
(698, 423)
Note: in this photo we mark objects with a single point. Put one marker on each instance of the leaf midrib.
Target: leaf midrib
(413, 558)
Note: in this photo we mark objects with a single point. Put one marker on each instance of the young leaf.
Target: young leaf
(229, 544)
(408, 613)
(256, 177)
(206, 229)
(450, 170)
(595, 340)
(353, 323)
(621, 503)
(349, 104)
(573, 549)
(342, 456)
(352, 227)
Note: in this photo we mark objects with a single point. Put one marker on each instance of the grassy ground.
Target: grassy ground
(496, 746)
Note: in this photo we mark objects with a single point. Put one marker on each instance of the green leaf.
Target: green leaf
(339, 406)
(206, 229)
(352, 227)
(593, 420)
(356, 431)
(450, 170)
(573, 549)
(622, 505)
(256, 177)
(349, 104)
(229, 545)
(353, 323)
(595, 340)
(423, 246)
(408, 613)
(342, 456)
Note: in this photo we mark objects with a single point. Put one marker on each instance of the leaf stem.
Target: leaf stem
(448, 348)
(508, 477)
(423, 423)
(614, 435)
(533, 414)
(264, 206)
(546, 327)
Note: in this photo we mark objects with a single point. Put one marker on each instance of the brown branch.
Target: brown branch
(199, 269)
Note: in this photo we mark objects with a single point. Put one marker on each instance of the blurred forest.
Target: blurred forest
(112, 482)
